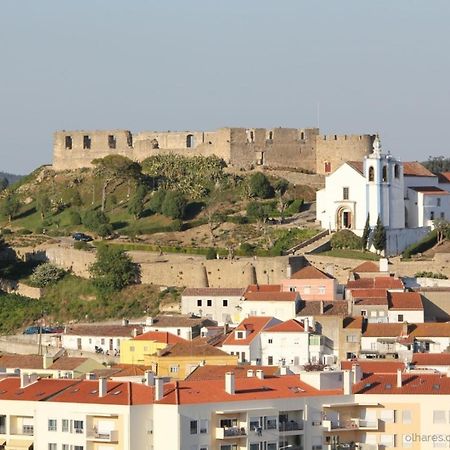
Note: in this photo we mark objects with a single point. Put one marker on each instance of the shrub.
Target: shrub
(156, 201)
(346, 239)
(176, 225)
(74, 218)
(24, 231)
(295, 206)
(81, 245)
(211, 253)
(259, 186)
(247, 249)
(97, 221)
(6, 231)
(423, 245)
(425, 274)
(46, 274)
(174, 205)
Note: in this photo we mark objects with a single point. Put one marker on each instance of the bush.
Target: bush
(24, 231)
(346, 239)
(211, 253)
(81, 245)
(98, 222)
(425, 274)
(176, 225)
(74, 218)
(46, 274)
(6, 231)
(295, 206)
(423, 245)
(156, 201)
(247, 249)
(174, 205)
(259, 186)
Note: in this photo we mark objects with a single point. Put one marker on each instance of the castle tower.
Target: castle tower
(384, 188)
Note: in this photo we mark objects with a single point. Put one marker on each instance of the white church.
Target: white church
(406, 196)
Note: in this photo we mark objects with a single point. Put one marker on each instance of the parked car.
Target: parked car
(31, 330)
(81, 237)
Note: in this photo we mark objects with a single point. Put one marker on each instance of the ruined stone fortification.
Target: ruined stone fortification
(238, 147)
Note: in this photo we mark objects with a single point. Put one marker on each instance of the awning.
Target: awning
(17, 444)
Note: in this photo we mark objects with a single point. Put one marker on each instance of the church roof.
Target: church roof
(357, 165)
(415, 169)
(429, 190)
(444, 177)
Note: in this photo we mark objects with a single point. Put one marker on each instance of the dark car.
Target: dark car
(81, 237)
(31, 330)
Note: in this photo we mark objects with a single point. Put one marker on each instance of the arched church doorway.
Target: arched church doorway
(344, 219)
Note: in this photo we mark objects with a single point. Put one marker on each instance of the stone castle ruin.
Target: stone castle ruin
(292, 148)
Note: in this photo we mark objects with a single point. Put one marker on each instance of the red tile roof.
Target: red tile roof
(368, 293)
(40, 390)
(383, 330)
(375, 301)
(252, 326)
(405, 301)
(332, 308)
(263, 288)
(431, 359)
(290, 326)
(270, 296)
(367, 266)
(214, 292)
(429, 190)
(354, 323)
(376, 283)
(247, 389)
(68, 363)
(213, 372)
(162, 337)
(444, 177)
(413, 384)
(310, 273)
(192, 348)
(374, 366)
(415, 169)
(356, 165)
(122, 370)
(430, 329)
(36, 362)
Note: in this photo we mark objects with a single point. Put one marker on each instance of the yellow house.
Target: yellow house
(133, 351)
(179, 360)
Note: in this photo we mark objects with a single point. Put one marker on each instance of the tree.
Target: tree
(46, 274)
(10, 206)
(174, 205)
(281, 187)
(259, 186)
(4, 183)
(43, 205)
(437, 164)
(442, 228)
(113, 270)
(157, 200)
(74, 218)
(98, 222)
(113, 169)
(260, 212)
(379, 236)
(136, 205)
(366, 233)
(76, 199)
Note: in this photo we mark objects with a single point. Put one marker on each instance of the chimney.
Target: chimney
(230, 384)
(357, 373)
(90, 376)
(149, 378)
(47, 361)
(250, 373)
(350, 307)
(283, 370)
(289, 271)
(102, 386)
(384, 265)
(321, 307)
(347, 382)
(260, 374)
(306, 325)
(149, 321)
(399, 378)
(135, 332)
(27, 379)
(159, 388)
(125, 322)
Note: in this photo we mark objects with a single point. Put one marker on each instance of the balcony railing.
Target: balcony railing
(290, 426)
(28, 430)
(230, 432)
(350, 424)
(104, 436)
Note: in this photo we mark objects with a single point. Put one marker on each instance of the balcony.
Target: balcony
(351, 425)
(103, 436)
(230, 432)
(352, 446)
(292, 425)
(27, 430)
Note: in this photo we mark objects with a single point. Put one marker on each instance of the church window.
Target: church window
(371, 173)
(86, 142)
(112, 141)
(397, 171)
(385, 175)
(327, 167)
(345, 193)
(189, 140)
(302, 135)
(270, 135)
(438, 202)
(68, 142)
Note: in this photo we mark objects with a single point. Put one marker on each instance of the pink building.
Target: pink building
(311, 284)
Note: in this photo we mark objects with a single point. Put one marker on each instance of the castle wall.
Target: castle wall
(335, 150)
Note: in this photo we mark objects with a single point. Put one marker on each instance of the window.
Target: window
(321, 290)
(252, 136)
(442, 215)
(65, 425)
(431, 215)
(270, 360)
(385, 174)
(173, 369)
(178, 332)
(112, 141)
(52, 447)
(439, 417)
(438, 202)
(190, 141)
(65, 447)
(292, 289)
(132, 348)
(254, 446)
(208, 302)
(224, 302)
(199, 303)
(240, 335)
(400, 318)
(327, 167)
(193, 427)
(102, 341)
(270, 135)
(345, 193)
(51, 424)
(406, 416)
(271, 446)
(204, 426)
(78, 447)
(86, 142)
(364, 313)
(270, 341)
(270, 423)
(68, 142)
(397, 171)
(387, 415)
(78, 426)
(371, 173)
(352, 338)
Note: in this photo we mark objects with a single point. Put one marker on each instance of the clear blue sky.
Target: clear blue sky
(373, 66)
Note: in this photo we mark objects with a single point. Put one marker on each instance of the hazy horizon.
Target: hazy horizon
(378, 67)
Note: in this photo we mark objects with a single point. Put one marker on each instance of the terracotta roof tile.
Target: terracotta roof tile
(367, 266)
(213, 372)
(214, 292)
(376, 283)
(192, 348)
(415, 169)
(252, 326)
(271, 296)
(429, 190)
(431, 359)
(263, 288)
(405, 301)
(310, 273)
(383, 330)
(430, 329)
(162, 337)
(40, 390)
(290, 326)
(21, 361)
(354, 323)
(375, 301)
(374, 366)
(444, 177)
(357, 165)
(332, 308)
(122, 370)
